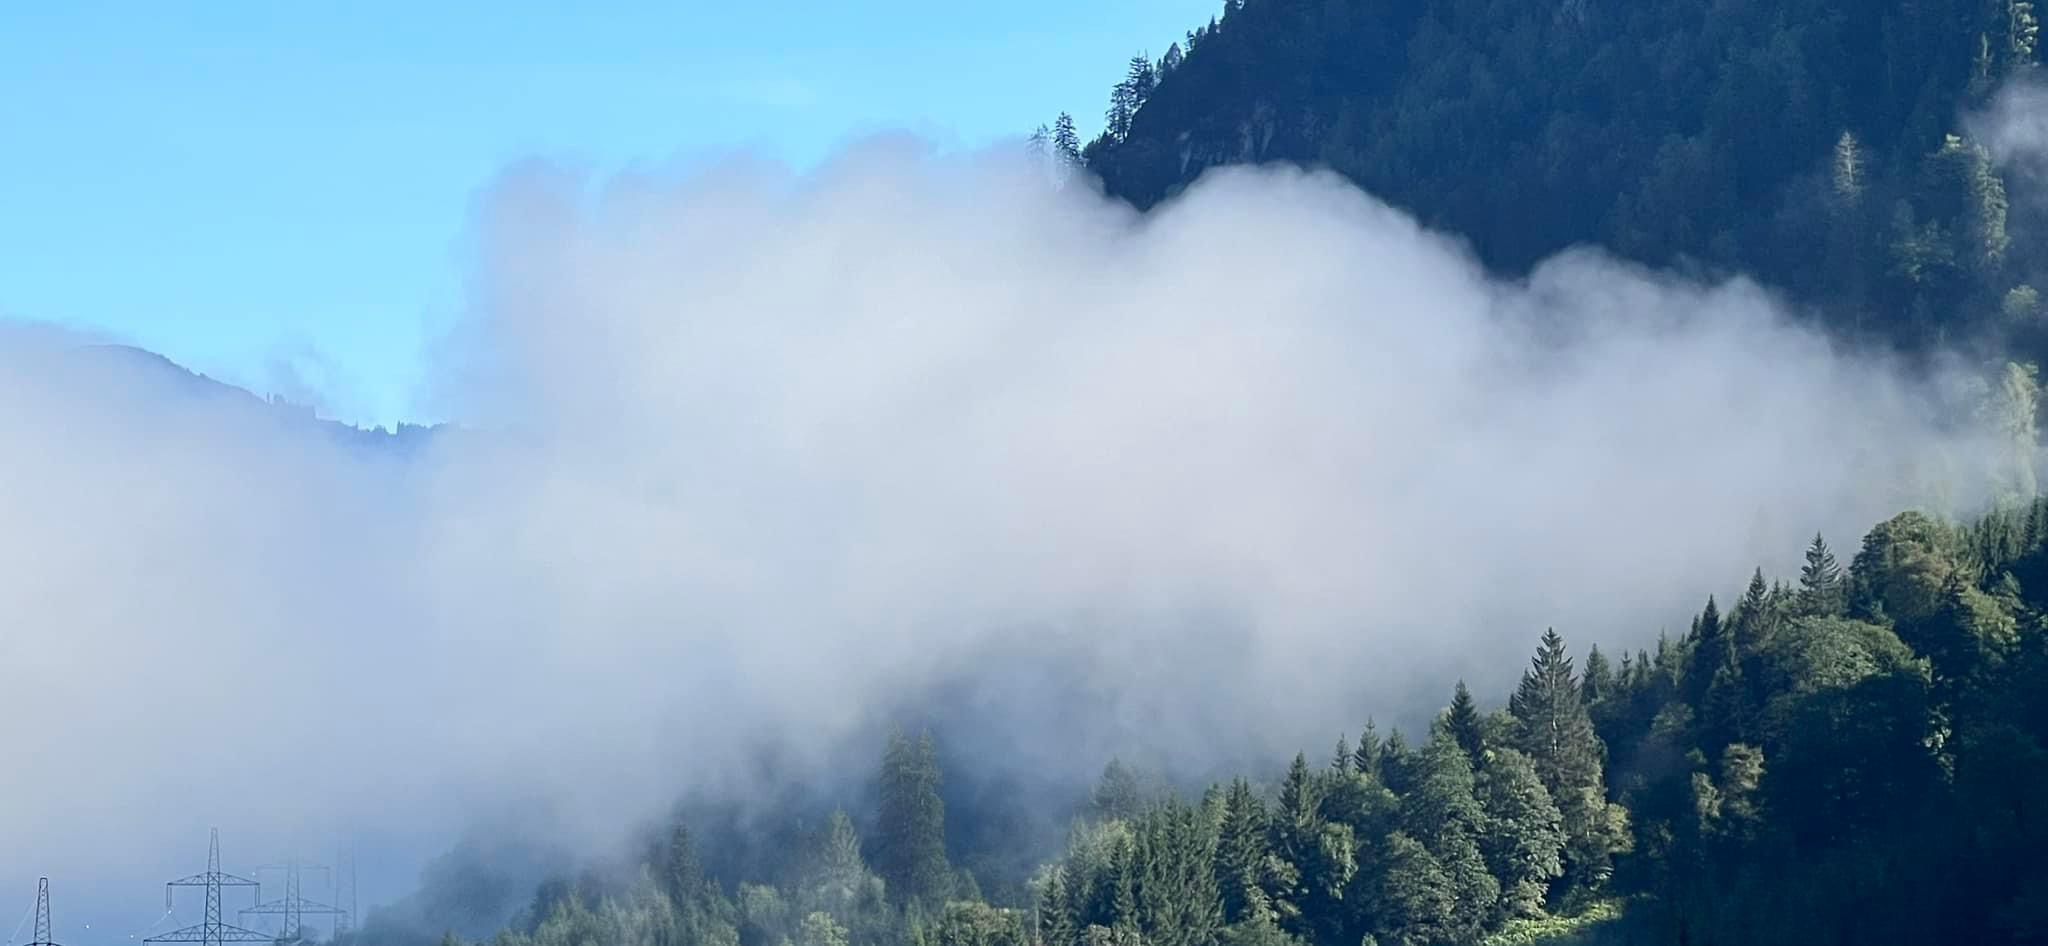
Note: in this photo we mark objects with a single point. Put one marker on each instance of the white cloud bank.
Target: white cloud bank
(771, 452)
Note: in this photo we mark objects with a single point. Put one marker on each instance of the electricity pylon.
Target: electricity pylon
(42, 913)
(292, 906)
(345, 894)
(212, 931)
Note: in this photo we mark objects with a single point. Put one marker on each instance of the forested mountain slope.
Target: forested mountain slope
(1819, 145)
(1854, 756)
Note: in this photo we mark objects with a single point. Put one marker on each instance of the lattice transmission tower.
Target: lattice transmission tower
(345, 893)
(42, 913)
(213, 930)
(293, 906)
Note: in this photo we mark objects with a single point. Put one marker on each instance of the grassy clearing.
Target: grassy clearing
(1597, 924)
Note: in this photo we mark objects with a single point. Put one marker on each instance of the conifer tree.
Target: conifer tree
(1365, 759)
(1752, 616)
(1822, 590)
(1463, 723)
(1299, 794)
(1141, 77)
(1116, 120)
(1066, 141)
(910, 842)
(1557, 735)
(682, 875)
(1709, 626)
(1296, 841)
(1242, 862)
(1722, 662)
(1713, 648)
(1395, 763)
(1128, 97)
(840, 877)
(1056, 915)
(1118, 794)
(1317, 858)
(1123, 866)
(1597, 682)
(1178, 895)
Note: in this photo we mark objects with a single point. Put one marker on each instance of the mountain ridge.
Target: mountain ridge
(118, 366)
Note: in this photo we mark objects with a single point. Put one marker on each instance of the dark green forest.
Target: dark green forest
(1820, 146)
(1855, 755)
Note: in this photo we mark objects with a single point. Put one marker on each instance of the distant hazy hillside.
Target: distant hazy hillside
(123, 371)
(1802, 141)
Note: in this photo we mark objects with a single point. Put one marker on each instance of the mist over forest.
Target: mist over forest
(1631, 471)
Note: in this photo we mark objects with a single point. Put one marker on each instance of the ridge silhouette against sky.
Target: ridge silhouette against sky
(273, 193)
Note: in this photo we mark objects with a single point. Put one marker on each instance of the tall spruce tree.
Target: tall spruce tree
(682, 874)
(1318, 858)
(910, 838)
(1057, 923)
(1123, 874)
(1178, 897)
(1296, 841)
(1243, 865)
(1554, 730)
(837, 877)
(1129, 96)
(1141, 77)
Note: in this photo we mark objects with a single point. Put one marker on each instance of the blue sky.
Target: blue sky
(266, 191)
